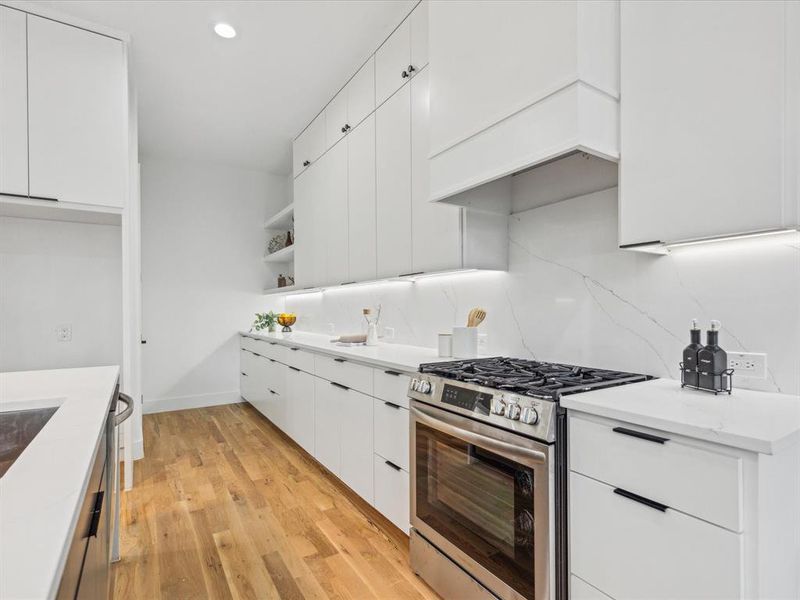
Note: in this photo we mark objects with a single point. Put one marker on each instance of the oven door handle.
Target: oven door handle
(520, 454)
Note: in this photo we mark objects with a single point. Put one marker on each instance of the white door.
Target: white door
(281, 398)
(13, 103)
(304, 229)
(356, 467)
(259, 376)
(361, 94)
(435, 226)
(393, 184)
(336, 118)
(319, 201)
(391, 63)
(309, 145)
(334, 229)
(300, 408)
(361, 201)
(77, 114)
(327, 416)
(419, 36)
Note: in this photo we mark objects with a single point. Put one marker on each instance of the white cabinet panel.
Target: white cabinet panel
(361, 94)
(335, 118)
(77, 114)
(392, 496)
(327, 426)
(703, 126)
(391, 433)
(391, 61)
(356, 442)
(361, 201)
(332, 237)
(300, 359)
(345, 372)
(300, 408)
(419, 36)
(393, 182)
(258, 375)
(304, 229)
(309, 145)
(632, 551)
(580, 590)
(391, 386)
(13, 103)
(435, 227)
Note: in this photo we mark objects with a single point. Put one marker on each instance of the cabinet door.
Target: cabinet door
(361, 201)
(392, 497)
(77, 114)
(393, 184)
(435, 226)
(333, 228)
(280, 400)
(258, 378)
(702, 121)
(300, 408)
(335, 118)
(419, 36)
(304, 229)
(13, 103)
(309, 145)
(327, 415)
(361, 94)
(356, 442)
(392, 61)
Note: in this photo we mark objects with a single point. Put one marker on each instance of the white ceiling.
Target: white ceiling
(239, 102)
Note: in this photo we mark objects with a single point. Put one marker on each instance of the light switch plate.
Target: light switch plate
(748, 364)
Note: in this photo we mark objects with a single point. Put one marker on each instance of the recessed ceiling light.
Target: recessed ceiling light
(224, 30)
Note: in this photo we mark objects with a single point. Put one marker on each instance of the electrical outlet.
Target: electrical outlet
(64, 333)
(388, 333)
(331, 328)
(748, 364)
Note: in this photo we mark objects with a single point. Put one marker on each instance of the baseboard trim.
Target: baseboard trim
(158, 405)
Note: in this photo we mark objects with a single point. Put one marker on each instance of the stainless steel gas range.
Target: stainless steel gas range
(488, 475)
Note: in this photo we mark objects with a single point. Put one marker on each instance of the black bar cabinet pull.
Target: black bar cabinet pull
(640, 434)
(395, 373)
(391, 404)
(339, 360)
(243, 373)
(294, 349)
(96, 512)
(294, 368)
(394, 466)
(340, 386)
(641, 499)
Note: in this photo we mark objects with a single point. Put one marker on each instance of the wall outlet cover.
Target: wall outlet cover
(64, 333)
(388, 333)
(748, 364)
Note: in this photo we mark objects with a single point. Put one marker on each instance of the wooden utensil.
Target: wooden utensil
(476, 317)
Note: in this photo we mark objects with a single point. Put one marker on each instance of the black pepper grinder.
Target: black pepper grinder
(690, 373)
(712, 361)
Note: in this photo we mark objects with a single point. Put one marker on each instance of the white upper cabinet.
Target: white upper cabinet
(419, 36)
(393, 184)
(334, 233)
(515, 84)
(77, 114)
(13, 103)
(361, 94)
(361, 201)
(309, 145)
(392, 61)
(336, 118)
(709, 121)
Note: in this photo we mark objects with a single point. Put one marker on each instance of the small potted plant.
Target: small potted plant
(265, 321)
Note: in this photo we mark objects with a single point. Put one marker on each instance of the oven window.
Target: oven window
(480, 502)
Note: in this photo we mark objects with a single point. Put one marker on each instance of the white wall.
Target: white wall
(572, 295)
(56, 273)
(202, 276)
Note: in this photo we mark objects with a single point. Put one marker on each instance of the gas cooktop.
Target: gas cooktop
(547, 381)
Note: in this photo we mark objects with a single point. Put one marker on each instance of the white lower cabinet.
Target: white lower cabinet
(299, 416)
(392, 492)
(355, 411)
(327, 425)
(391, 432)
(580, 590)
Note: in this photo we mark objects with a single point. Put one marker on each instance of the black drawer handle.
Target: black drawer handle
(294, 368)
(96, 512)
(273, 343)
(273, 392)
(306, 163)
(640, 434)
(243, 373)
(395, 373)
(340, 386)
(271, 360)
(294, 349)
(394, 466)
(641, 499)
(339, 360)
(392, 404)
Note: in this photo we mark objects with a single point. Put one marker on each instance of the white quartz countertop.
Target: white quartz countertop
(42, 491)
(761, 422)
(397, 357)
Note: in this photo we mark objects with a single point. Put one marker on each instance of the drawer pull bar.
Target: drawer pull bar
(391, 404)
(395, 373)
(294, 368)
(273, 392)
(394, 466)
(641, 499)
(640, 434)
(340, 386)
(243, 373)
(339, 360)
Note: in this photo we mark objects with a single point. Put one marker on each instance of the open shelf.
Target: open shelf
(282, 220)
(281, 256)
(279, 290)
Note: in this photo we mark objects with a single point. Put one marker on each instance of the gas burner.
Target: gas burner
(547, 381)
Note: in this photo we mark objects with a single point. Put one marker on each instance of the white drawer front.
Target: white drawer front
(392, 498)
(580, 590)
(633, 551)
(391, 386)
(276, 376)
(340, 370)
(688, 478)
(248, 343)
(391, 433)
(271, 350)
(299, 359)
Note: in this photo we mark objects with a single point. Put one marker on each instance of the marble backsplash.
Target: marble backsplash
(571, 295)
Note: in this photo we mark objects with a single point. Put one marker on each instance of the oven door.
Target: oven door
(481, 494)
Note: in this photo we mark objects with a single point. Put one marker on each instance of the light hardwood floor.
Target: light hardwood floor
(225, 506)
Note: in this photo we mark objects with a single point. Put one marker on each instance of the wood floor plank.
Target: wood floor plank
(226, 506)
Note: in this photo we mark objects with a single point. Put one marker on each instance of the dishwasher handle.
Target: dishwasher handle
(123, 416)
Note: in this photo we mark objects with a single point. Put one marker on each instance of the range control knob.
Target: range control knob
(529, 415)
(498, 405)
(425, 387)
(513, 410)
